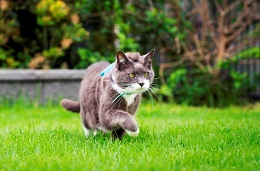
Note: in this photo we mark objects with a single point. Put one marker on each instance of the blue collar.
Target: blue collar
(107, 70)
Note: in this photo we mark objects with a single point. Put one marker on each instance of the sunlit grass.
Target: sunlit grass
(171, 137)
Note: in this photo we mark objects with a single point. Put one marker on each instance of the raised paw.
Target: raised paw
(133, 134)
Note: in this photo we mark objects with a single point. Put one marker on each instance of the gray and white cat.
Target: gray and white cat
(109, 103)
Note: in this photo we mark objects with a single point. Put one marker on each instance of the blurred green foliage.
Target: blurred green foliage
(202, 73)
(60, 33)
(39, 33)
(74, 34)
(193, 86)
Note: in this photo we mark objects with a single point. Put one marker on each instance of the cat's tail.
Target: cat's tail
(70, 105)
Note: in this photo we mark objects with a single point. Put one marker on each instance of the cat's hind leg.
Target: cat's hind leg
(85, 125)
(86, 131)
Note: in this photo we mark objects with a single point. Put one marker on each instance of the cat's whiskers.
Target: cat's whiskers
(114, 97)
(120, 96)
(116, 100)
(153, 92)
(150, 95)
(156, 86)
(156, 81)
(156, 78)
(119, 100)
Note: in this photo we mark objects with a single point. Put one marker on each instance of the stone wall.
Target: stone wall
(42, 85)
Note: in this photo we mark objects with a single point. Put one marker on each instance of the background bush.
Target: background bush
(74, 34)
(187, 36)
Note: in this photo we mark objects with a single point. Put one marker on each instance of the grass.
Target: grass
(171, 137)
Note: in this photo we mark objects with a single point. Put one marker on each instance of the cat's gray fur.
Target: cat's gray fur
(109, 103)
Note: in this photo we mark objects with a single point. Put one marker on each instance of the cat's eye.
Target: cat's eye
(131, 75)
(145, 74)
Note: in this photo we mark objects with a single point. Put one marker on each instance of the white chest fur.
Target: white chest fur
(130, 98)
(129, 93)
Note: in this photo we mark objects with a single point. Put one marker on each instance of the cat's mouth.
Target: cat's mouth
(137, 88)
(132, 88)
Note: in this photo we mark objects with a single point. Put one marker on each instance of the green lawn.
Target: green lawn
(172, 137)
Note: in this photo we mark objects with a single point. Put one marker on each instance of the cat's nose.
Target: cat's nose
(141, 84)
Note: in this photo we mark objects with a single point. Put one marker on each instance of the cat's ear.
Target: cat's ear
(148, 59)
(121, 60)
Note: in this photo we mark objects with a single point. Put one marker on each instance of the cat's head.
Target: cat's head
(133, 73)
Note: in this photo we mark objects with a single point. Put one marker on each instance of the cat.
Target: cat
(109, 102)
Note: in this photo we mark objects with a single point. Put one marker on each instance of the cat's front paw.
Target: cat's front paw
(133, 134)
